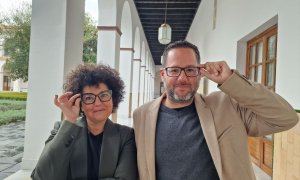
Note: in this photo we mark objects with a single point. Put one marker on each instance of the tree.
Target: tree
(89, 40)
(15, 31)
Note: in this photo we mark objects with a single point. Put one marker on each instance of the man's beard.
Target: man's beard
(180, 99)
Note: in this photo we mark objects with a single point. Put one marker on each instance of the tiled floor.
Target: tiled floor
(11, 148)
(260, 174)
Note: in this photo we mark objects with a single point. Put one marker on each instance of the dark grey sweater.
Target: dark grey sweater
(181, 151)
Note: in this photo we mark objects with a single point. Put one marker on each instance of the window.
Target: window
(261, 58)
(261, 68)
(6, 83)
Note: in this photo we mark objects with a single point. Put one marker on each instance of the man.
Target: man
(185, 135)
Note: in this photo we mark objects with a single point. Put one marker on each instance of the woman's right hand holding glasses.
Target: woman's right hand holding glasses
(69, 104)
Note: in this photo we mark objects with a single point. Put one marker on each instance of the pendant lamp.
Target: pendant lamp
(165, 30)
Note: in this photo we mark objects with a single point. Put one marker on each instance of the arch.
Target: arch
(143, 54)
(137, 44)
(147, 60)
(126, 26)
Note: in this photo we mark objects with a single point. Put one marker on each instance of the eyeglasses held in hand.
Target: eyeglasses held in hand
(176, 71)
(89, 98)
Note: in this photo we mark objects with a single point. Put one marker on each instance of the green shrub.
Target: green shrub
(13, 95)
(12, 111)
(12, 116)
(6, 104)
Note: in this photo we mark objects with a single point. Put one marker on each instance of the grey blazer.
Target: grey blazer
(65, 153)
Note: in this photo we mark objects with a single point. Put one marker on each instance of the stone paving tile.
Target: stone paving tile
(4, 175)
(5, 142)
(17, 158)
(6, 160)
(5, 166)
(13, 169)
(11, 148)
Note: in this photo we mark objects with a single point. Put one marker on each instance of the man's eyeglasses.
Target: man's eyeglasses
(176, 71)
(89, 98)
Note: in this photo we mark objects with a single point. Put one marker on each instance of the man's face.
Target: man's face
(180, 89)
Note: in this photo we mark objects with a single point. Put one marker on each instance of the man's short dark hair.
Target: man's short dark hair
(180, 44)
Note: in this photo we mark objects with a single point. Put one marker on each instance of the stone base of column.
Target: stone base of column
(28, 164)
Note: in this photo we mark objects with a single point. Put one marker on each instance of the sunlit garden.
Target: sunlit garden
(12, 107)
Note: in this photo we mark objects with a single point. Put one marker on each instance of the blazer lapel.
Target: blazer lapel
(209, 131)
(150, 130)
(78, 164)
(109, 150)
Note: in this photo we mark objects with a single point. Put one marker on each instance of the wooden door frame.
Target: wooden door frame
(264, 161)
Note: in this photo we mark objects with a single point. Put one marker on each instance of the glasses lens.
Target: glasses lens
(88, 98)
(173, 71)
(191, 71)
(105, 96)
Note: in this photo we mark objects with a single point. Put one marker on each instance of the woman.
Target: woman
(90, 146)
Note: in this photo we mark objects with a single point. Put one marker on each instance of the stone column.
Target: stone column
(55, 48)
(108, 47)
(2, 63)
(135, 83)
(126, 55)
(146, 85)
(142, 85)
(109, 33)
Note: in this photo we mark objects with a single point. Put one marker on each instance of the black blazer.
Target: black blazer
(65, 153)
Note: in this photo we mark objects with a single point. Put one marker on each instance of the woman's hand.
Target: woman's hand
(218, 72)
(69, 104)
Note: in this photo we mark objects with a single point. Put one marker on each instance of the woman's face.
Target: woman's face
(98, 111)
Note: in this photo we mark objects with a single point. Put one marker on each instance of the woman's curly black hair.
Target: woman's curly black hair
(91, 75)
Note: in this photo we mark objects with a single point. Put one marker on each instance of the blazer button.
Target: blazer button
(54, 132)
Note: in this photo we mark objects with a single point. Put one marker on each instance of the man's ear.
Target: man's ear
(162, 73)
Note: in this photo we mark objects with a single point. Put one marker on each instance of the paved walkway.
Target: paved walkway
(12, 146)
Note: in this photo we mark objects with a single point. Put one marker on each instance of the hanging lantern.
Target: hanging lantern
(165, 31)
(164, 34)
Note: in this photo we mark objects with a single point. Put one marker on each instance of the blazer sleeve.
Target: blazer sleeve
(127, 165)
(263, 111)
(54, 160)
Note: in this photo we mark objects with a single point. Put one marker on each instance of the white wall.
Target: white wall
(237, 22)
(288, 74)
(20, 86)
(2, 62)
(1, 74)
(1, 47)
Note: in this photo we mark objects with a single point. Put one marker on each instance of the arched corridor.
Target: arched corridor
(56, 48)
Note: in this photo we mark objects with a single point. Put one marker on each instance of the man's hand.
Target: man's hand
(69, 106)
(218, 72)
